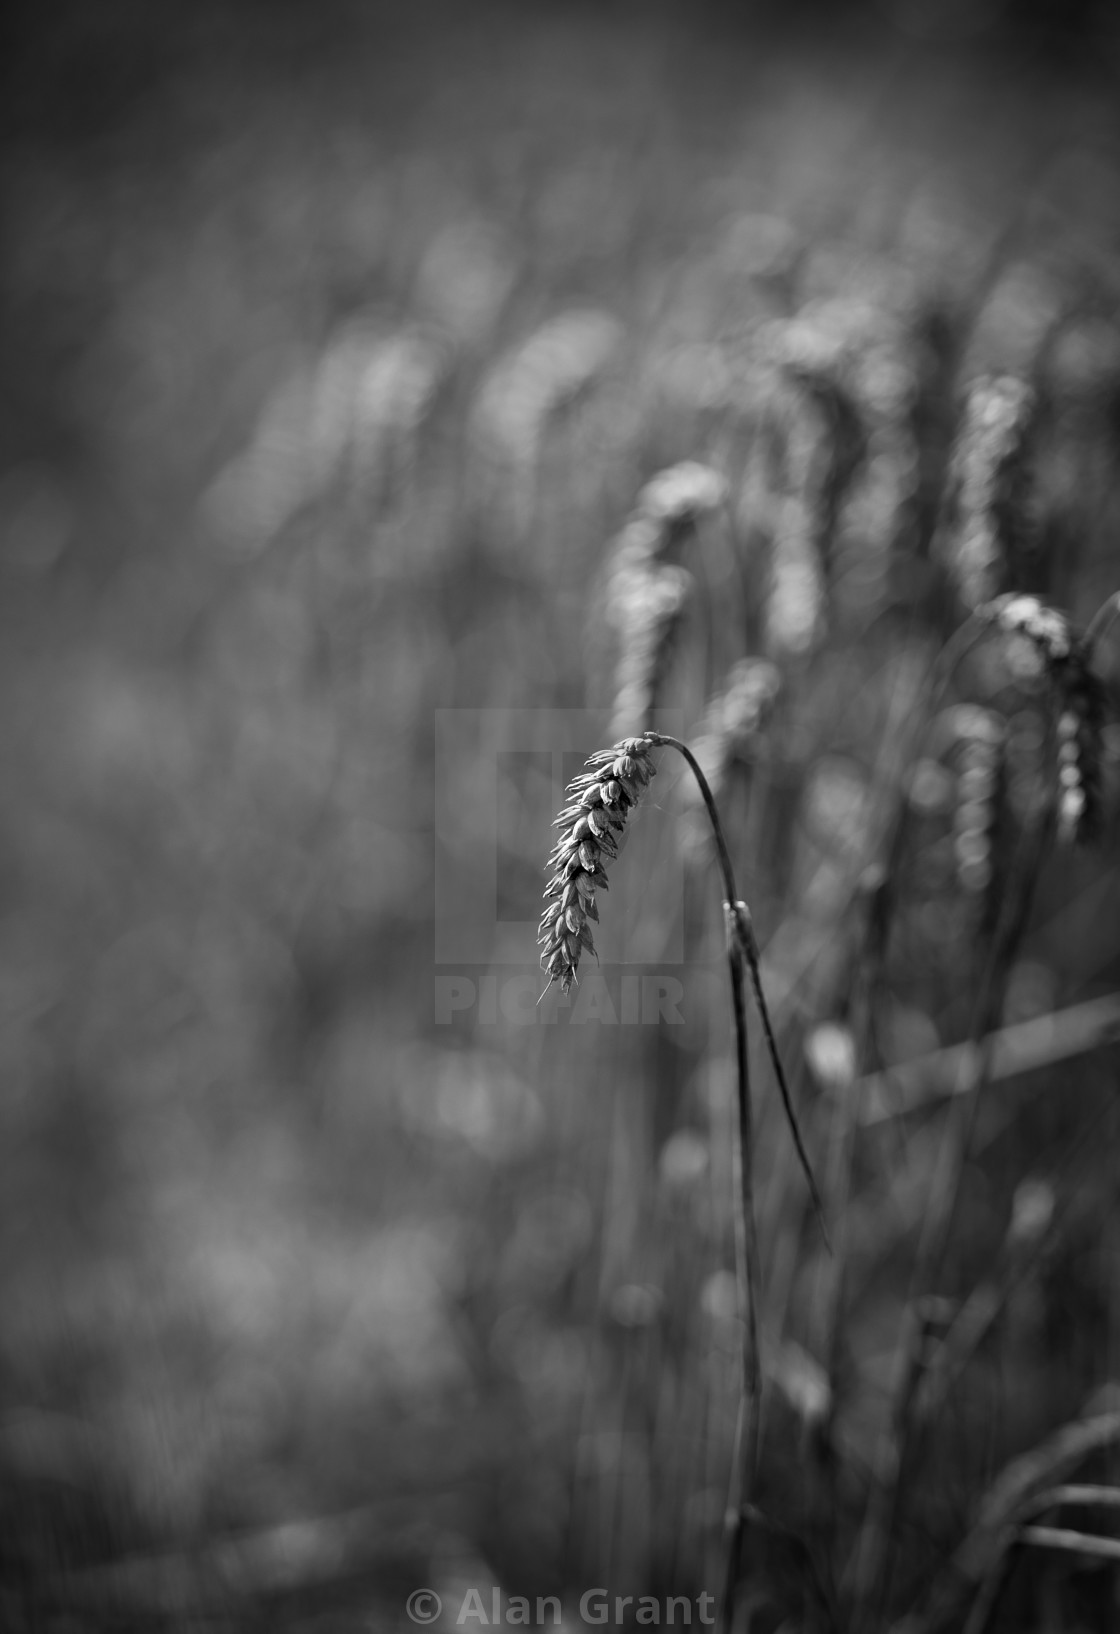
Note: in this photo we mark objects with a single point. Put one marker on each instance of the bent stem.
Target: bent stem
(744, 1462)
(741, 931)
(748, 1272)
(742, 957)
(1100, 624)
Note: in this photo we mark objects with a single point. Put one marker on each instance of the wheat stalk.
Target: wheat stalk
(875, 1559)
(600, 801)
(1065, 659)
(1017, 1489)
(1036, 1224)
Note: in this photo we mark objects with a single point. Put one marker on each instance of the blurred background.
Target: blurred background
(337, 344)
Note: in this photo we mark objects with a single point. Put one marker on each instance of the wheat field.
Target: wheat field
(405, 404)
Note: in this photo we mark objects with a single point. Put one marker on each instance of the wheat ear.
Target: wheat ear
(735, 718)
(988, 475)
(600, 801)
(1067, 660)
(647, 596)
(649, 601)
(1068, 805)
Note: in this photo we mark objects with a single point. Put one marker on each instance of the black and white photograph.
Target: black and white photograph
(560, 816)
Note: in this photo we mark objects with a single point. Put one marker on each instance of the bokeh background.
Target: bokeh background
(337, 342)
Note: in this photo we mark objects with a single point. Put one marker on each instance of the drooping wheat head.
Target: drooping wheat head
(979, 745)
(817, 440)
(539, 376)
(843, 446)
(1080, 705)
(796, 594)
(647, 596)
(649, 604)
(988, 524)
(1080, 752)
(1047, 629)
(523, 398)
(679, 496)
(735, 717)
(592, 823)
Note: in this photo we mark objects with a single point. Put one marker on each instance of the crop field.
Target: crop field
(404, 403)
